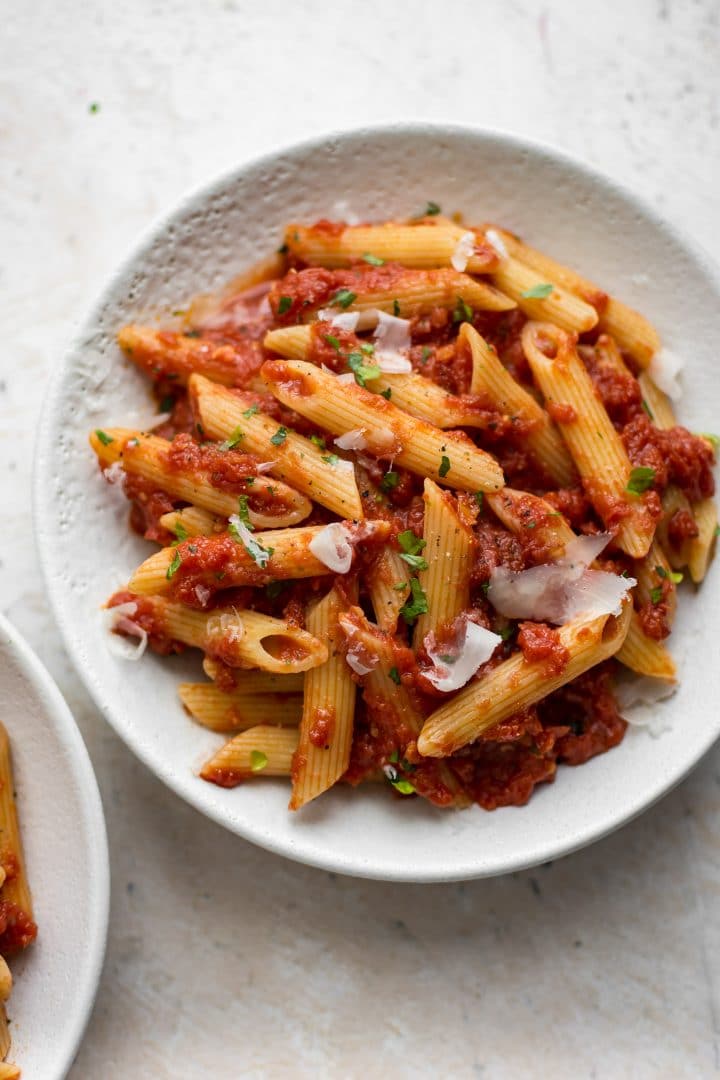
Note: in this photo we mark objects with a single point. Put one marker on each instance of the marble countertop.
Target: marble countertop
(224, 960)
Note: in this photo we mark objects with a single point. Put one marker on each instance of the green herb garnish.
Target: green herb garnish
(318, 440)
(244, 513)
(656, 594)
(373, 259)
(367, 347)
(671, 575)
(332, 340)
(362, 371)
(431, 210)
(343, 297)
(395, 676)
(284, 304)
(235, 437)
(390, 480)
(181, 533)
(251, 411)
(174, 566)
(537, 292)
(258, 760)
(463, 312)
(479, 499)
(387, 394)
(103, 436)
(647, 409)
(444, 466)
(330, 459)
(280, 436)
(416, 605)
(642, 477)
(396, 308)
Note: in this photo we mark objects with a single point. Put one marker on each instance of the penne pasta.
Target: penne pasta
(558, 306)
(270, 503)
(388, 581)
(239, 710)
(596, 448)
(389, 432)
(517, 683)
(293, 458)
(177, 356)
(657, 403)
(699, 548)
(326, 728)
(633, 333)
(520, 511)
(449, 548)
(15, 888)
(260, 751)
(237, 637)
(250, 683)
(288, 556)
(5, 980)
(409, 391)
(4, 1035)
(192, 521)
(644, 654)
(495, 382)
(420, 246)
(8, 1071)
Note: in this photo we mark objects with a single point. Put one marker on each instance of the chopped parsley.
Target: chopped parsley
(244, 513)
(94, 108)
(506, 632)
(395, 676)
(318, 440)
(373, 259)
(416, 605)
(330, 459)
(463, 312)
(180, 531)
(537, 292)
(396, 308)
(671, 575)
(400, 585)
(410, 543)
(361, 370)
(425, 355)
(367, 347)
(656, 594)
(174, 566)
(258, 760)
(647, 409)
(280, 436)
(284, 304)
(256, 551)
(431, 210)
(641, 478)
(332, 340)
(167, 404)
(390, 480)
(251, 411)
(444, 466)
(479, 499)
(103, 436)
(387, 394)
(343, 297)
(235, 437)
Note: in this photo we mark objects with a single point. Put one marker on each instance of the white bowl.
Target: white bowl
(63, 831)
(86, 549)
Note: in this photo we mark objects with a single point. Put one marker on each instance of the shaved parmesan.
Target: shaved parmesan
(203, 594)
(228, 625)
(463, 251)
(357, 658)
(344, 465)
(265, 466)
(664, 370)
(119, 622)
(392, 343)
(346, 378)
(454, 666)
(352, 440)
(343, 320)
(256, 551)
(496, 242)
(115, 474)
(332, 548)
(561, 591)
(639, 697)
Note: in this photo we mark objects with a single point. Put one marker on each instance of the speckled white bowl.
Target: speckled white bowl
(86, 549)
(63, 832)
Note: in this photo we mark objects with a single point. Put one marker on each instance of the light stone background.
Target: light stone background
(223, 960)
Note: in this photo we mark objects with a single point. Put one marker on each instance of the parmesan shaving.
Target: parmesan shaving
(638, 698)
(332, 548)
(256, 551)
(115, 474)
(343, 320)
(265, 466)
(664, 370)
(463, 251)
(454, 666)
(496, 242)
(356, 657)
(228, 625)
(392, 344)
(352, 440)
(119, 622)
(346, 378)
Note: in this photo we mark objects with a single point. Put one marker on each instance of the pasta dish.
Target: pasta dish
(418, 495)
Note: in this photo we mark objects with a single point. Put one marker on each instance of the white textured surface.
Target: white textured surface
(224, 959)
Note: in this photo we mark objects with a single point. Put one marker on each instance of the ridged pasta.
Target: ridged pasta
(449, 547)
(238, 710)
(386, 573)
(260, 751)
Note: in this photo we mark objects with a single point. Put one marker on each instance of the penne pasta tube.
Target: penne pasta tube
(633, 333)
(644, 654)
(5, 980)
(15, 888)
(596, 447)
(699, 548)
(8, 1071)
(249, 683)
(493, 381)
(4, 1035)
(520, 511)
(192, 521)
(388, 581)
(237, 637)
(260, 751)
(177, 356)
(674, 501)
(199, 560)
(657, 403)
(389, 432)
(326, 728)
(558, 306)
(418, 246)
(238, 710)
(517, 683)
(409, 391)
(270, 503)
(449, 548)
(293, 458)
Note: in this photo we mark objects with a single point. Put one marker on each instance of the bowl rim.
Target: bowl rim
(68, 735)
(136, 251)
